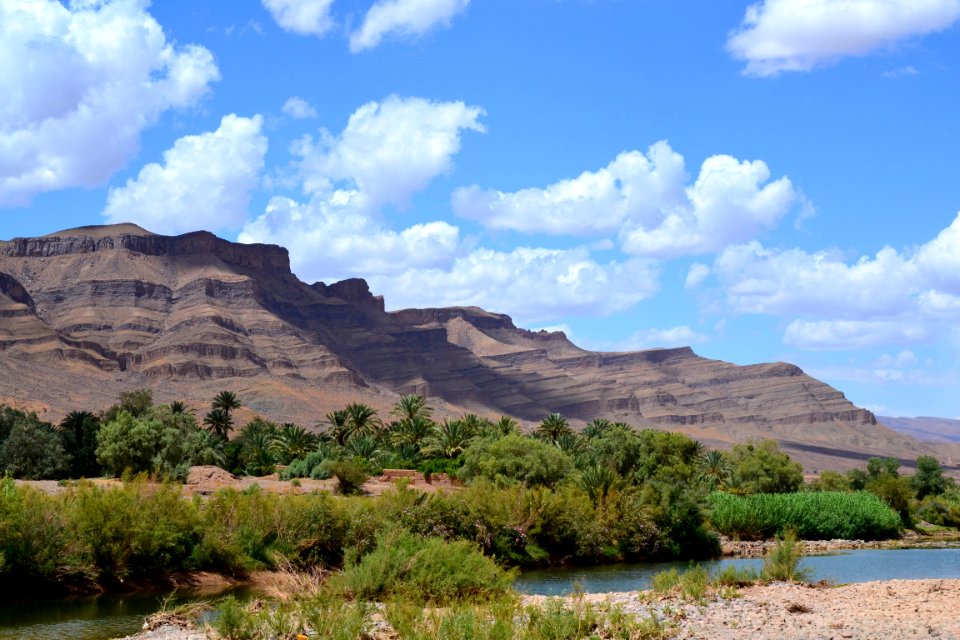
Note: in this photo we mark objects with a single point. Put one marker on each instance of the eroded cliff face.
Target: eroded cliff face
(90, 312)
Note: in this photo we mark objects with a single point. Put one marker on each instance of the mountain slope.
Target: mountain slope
(89, 312)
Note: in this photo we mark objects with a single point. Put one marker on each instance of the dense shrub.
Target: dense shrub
(760, 467)
(34, 451)
(943, 510)
(813, 516)
(350, 475)
(516, 458)
(158, 441)
(431, 569)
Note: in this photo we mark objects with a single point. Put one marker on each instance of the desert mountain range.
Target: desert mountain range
(87, 313)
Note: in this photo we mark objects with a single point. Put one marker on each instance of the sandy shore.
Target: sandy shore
(868, 611)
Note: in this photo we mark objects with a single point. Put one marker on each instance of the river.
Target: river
(113, 616)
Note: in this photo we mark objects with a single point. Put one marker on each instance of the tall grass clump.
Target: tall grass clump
(425, 569)
(783, 561)
(811, 515)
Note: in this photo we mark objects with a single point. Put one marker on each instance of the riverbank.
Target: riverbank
(866, 611)
(758, 549)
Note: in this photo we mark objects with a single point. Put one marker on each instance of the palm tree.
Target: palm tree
(293, 442)
(336, 429)
(363, 446)
(219, 423)
(505, 426)
(596, 428)
(570, 442)
(598, 480)
(411, 431)
(410, 407)
(716, 468)
(258, 448)
(362, 420)
(178, 406)
(696, 453)
(552, 427)
(449, 439)
(226, 401)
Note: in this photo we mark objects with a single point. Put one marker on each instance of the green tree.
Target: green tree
(716, 468)
(136, 403)
(552, 427)
(292, 442)
(518, 458)
(505, 426)
(880, 467)
(831, 481)
(219, 423)
(761, 467)
(361, 420)
(33, 451)
(226, 401)
(411, 407)
(928, 480)
(161, 442)
(128, 442)
(449, 439)
(596, 428)
(336, 428)
(79, 430)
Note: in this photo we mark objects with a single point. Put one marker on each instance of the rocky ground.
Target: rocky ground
(888, 610)
(874, 610)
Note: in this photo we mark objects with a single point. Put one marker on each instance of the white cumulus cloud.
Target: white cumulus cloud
(79, 85)
(299, 109)
(893, 297)
(389, 150)
(647, 201)
(533, 285)
(761, 280)
(798, 35)
(304, 17)
(696, 275)
(405, 18)
(330, 240)
(204, 182)
(854, 334)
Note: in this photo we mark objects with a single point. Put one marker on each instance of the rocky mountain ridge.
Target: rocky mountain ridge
(89, 312)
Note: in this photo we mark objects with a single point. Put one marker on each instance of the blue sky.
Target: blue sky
(762, 181)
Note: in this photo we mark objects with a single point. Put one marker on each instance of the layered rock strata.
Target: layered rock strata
(90, 312)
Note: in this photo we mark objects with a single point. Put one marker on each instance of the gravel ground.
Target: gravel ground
(890, 610)
(867, 611)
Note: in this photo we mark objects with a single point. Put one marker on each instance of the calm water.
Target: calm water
(116, 616)
(861, 565)
(100, 618)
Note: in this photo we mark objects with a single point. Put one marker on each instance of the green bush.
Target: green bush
(133, 530)
(516, 458)
(760, 467)
(429, 569)
(33, 451)
(813, 516)
(350, 475)
(783, 561)
(941, 510)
